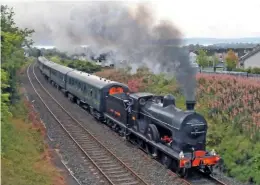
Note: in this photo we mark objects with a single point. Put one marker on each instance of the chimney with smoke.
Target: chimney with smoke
(190, 104)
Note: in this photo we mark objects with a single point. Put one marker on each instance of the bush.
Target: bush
(255, 70)
(85, 66)
(236, 99)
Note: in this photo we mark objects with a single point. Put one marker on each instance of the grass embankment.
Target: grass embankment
(26, 159)
(231, 106)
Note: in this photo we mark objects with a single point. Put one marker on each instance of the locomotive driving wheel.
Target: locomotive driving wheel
(208, 170)
(153, 135)
(78, 102)
(166, 160)
(137, 142)
(182, 172)
(109, 122)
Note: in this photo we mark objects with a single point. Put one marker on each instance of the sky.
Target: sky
(203, 18)
(212, 18)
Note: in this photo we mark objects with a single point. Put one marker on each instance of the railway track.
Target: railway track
(201, 179)
(114, 170)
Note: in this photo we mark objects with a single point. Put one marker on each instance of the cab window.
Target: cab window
(116, 90)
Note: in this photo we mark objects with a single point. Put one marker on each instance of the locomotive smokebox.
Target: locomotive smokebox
(190, 104)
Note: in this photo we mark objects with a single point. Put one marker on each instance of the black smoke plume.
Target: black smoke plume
(132, 33)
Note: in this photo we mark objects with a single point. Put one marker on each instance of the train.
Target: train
(175, 137)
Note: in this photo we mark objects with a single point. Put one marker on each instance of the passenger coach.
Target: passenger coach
(91, 90)
(59, 76)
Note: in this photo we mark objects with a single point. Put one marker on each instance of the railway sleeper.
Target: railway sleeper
(98, 154)
(102, 159)
(91, 148)
(130, 183)
(124, 179)
(89, 143)
(85, 140)
(116, 172)
(105, 162)
(120, 175)
(112, 167)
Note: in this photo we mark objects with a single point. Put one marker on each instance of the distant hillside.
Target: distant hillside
(209, 41)
(188, 41)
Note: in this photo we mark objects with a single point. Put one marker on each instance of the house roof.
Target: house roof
(249, 54)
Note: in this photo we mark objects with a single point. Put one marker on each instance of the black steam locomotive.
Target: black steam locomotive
(175, 137)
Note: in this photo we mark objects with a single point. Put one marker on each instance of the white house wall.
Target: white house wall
(253, 61)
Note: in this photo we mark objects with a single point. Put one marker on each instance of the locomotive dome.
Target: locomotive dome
(168, 100)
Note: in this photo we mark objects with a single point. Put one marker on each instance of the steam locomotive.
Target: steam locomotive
(175, 137)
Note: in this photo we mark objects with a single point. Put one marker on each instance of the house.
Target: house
(251, 59)
(193, 57)
(220, 67)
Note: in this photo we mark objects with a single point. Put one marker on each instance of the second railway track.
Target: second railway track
(115, 171)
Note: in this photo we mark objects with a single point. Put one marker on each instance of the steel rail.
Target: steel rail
(136, 176)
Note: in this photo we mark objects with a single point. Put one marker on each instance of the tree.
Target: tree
(202, 58)
(12, 53)
(231, 60)
(215, 61)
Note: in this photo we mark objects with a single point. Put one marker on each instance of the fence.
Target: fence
(233, 73)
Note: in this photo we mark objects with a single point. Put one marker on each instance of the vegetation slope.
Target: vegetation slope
(25, 158)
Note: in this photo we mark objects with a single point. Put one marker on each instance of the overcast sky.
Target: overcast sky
(203, 18)
(212, 18)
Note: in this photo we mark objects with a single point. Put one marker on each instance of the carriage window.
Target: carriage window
(95, 94)
(98, 95)
(90, 92)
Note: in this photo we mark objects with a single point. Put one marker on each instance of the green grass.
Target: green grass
(23, 152)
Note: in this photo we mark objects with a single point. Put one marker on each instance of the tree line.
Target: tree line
(230, 61)
(13, 39)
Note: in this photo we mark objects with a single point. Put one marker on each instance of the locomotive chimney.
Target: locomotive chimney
(190, 104)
